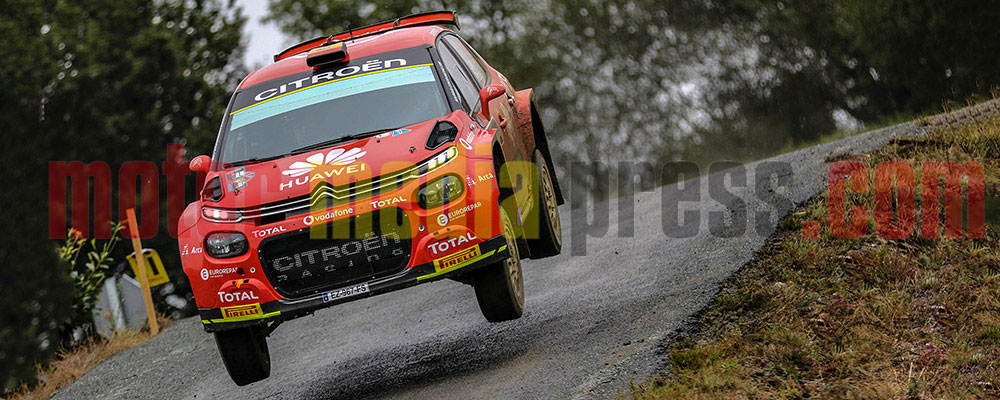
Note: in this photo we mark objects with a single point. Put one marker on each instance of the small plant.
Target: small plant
(87, 276)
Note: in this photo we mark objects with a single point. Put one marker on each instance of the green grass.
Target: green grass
(860, 318)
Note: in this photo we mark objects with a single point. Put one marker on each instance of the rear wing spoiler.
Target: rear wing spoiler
(428, 18)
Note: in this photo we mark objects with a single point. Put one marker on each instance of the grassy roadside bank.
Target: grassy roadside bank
(857, 318)
(73, 363)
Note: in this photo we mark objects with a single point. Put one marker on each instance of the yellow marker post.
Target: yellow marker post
(155, 272)
(133, 230)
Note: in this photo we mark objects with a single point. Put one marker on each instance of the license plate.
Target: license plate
(345, 292)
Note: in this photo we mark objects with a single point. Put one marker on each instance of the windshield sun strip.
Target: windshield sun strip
(327, 83)
(315, 95)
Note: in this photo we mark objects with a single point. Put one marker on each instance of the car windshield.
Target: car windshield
(279, 117)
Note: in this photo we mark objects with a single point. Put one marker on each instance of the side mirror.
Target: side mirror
(200, 163)
(488, 93)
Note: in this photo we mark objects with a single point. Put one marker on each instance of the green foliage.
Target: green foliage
(101, 80)
(35, 293)
(303, 18)
(135, 76)
(707, 81)
(872, 60)
(88, 276)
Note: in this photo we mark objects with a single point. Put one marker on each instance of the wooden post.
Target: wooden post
(140, 260)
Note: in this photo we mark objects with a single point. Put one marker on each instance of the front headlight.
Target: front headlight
(440, 191)
(226, 244)
(221, 214)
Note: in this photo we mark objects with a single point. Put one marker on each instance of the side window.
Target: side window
(468, 89)
(468, 58)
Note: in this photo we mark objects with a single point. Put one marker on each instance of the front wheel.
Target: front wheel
(244, 352)
(500, 287)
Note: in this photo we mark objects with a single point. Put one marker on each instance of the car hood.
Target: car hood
(294, 176)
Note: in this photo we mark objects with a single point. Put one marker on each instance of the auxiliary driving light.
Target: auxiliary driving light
(226, 244)
(440, 191)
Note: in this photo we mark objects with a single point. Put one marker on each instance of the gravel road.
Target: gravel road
(591, 322)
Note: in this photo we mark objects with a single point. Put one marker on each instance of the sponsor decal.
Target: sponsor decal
(310, 219)
(377, 204)
(340, 256)
(442, 220)
(240, 295)
(217, 273)
(298, 84)
(464, 210)
(320, 167)
(396, 132)
(467, 140)
(445, 245)
(269, 231)
(345, 292)
(192, 250)
(244, 311)
(484, 178)
(469, 181)
(457, 258)
(237, 180)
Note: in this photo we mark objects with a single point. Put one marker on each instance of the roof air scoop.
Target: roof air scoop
(327, 55)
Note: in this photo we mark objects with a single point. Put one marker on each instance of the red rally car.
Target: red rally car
(358, 164)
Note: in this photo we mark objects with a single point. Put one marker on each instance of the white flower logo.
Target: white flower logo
(335, 156)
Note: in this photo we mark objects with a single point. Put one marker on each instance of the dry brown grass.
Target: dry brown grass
(73, 363)
(861, 318)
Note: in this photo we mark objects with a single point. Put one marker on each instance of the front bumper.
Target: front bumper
(485, 253)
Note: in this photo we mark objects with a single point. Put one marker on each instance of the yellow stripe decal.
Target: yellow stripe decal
(449, 269)
(327, 83)
(247, 318)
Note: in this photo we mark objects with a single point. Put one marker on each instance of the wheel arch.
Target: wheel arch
(505, 191)
(541, 142)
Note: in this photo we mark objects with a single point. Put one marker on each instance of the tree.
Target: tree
(102, 80)
(873, 60)
(707, 80)
(135, 76)
(35, 292)
(605, 74)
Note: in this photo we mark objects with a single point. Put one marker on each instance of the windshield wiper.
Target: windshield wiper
(345, 138)
(252, 160)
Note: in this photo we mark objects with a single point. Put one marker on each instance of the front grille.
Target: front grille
(347, 251)
(326, 195)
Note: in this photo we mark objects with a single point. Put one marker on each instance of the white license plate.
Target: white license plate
(345, 292)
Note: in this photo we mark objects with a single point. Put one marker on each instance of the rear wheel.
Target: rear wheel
(549, 240)
(244, 352)
(500, 287)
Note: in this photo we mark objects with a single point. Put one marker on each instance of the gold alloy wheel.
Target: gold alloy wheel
(513, 263)
(551, 208)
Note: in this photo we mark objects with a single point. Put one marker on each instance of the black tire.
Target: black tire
(244, 352)
(500, 287)
(549, 239)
